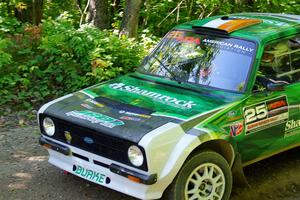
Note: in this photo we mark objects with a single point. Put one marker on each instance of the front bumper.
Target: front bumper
(100, 170)
(54, 146)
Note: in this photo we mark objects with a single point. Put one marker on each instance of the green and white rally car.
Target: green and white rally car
(214, 96)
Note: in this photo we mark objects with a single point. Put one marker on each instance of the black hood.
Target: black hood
(107, 116)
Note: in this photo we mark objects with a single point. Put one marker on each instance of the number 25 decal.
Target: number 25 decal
(255, 113)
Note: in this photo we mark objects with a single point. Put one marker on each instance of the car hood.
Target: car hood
(130, 106)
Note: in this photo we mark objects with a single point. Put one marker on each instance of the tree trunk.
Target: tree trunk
(32, 13)
(37, 11)
(98, 14)
(130, 20)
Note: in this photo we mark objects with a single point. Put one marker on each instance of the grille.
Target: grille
(102, 145)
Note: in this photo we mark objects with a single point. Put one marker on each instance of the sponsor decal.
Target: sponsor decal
(219, 43)
(180, 36)
(232, 113)
(134, 114)
(232, 116)
(131, 118)
(95, 103)
(68, 137)
(228, 46)
(236, 129)
(266, 114)
(292, 128)
(86, 106)
(95, 118)
(292, 124)
(235, 118)
(277, 104)
(172, 101)
(89, 174)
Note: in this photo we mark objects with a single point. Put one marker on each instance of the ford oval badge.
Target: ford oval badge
(88, 140)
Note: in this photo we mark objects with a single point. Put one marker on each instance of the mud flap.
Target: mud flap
(239, 178)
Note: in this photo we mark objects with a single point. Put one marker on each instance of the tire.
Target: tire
(204, 176)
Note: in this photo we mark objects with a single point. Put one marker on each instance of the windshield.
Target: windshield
(186, 56)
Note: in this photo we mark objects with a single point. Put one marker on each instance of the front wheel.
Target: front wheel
(205, 176)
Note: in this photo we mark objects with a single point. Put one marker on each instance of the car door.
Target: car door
(271, 113)
(292, 128)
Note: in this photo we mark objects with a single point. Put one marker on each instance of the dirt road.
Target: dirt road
(26, 174)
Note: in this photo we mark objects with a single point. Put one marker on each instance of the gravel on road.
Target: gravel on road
(26, 174)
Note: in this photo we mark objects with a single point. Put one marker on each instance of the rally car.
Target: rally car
(214, 96)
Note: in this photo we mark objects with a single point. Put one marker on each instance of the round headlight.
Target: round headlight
(49, 126)
(135, 155)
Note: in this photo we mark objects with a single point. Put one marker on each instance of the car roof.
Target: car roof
(270, 27)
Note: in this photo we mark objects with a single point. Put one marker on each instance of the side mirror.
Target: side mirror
(279, 86)
(183, 76)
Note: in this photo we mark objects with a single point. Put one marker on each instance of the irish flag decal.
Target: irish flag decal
(230, 25)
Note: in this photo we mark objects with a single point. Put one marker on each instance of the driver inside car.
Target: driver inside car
(275, 61)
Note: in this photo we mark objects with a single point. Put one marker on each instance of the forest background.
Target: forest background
(49, 48)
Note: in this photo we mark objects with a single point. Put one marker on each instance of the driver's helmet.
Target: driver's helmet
(275, 55)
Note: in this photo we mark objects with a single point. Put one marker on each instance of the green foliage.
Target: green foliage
(5, 58)
(159, 16)
(39, 63)
(54, 59)
(9, 25)
(54, 8)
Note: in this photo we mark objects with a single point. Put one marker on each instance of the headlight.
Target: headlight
(49, 126)
(135, 155)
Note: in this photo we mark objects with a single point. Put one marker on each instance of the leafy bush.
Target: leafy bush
(55, 58)
(5, 58)
(9, 25)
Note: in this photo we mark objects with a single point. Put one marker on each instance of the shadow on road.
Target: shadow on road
(26, 174)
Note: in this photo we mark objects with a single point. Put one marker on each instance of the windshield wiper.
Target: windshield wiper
(174, 77)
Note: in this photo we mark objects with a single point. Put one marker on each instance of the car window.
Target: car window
(295, 56)
(205, 60)
(280, 63)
